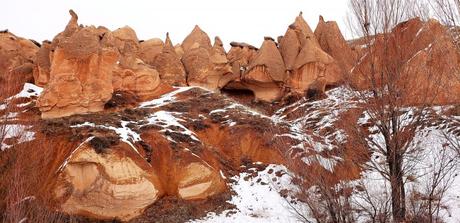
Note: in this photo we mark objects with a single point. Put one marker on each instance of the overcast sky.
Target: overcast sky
(236, 20)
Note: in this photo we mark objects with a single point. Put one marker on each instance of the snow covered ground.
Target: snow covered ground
(258, 199)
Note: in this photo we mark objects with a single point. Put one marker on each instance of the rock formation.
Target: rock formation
(107, 183)
(196, 37)
(240, 56)
(220, 63)
(80, 78)
(185, 147)
(43, 64)
(428, 62)
(266, 73)
(298, 66)
(169, 65)
(313, 65)
(17, 56)
(205, 65)
(309, 67)
(132, 74)
(83, 66)
(332, 42)
(150, 49)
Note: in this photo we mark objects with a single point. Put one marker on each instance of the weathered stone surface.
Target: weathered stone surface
(332, 42)
(197, 36)
(43, 64)
(197, 63)
(305, 61)
(150, 49)
(169, 65)
(78, 85)
(305, 30)
(16, 55)
(83, 66)
(290, 48)
(198, 181)
(265, 74)
(311, 64)
(427, 57)
(240, 56)
(179, 50)
(140, 79)
(220, 62)
(205, 65)
(113, 183)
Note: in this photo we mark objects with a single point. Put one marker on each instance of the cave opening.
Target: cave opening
(239, 94)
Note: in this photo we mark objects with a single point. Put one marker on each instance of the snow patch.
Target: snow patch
(167, 119)
(21, 132)
(257, 199)
(164, 99)
(29, 90)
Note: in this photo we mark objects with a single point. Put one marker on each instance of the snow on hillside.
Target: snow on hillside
(428, 154)
(8, 129)
(257, 199)
(307, 120)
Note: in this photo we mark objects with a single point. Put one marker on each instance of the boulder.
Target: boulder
(169, 65)
(106, 183)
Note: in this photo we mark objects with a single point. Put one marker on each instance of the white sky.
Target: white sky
(236, 20)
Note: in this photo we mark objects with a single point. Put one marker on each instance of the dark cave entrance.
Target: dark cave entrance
(242, 95)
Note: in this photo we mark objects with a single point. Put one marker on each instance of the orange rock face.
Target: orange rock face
(17, 56)
(310, 68)
(114, 184)
(82, 67)
(80, 76)
(205, 65)
(169, 65)
(150, 49)
(266, 73)
(298, 65)
(196, 37)
(428, 62)
(333, 43)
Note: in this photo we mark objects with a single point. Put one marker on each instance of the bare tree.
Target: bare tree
(447, 11)
(323, 199)
(393, 106)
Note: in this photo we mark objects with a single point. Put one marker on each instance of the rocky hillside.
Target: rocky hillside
(97, 125)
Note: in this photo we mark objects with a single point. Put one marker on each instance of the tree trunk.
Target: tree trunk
(398, 195)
